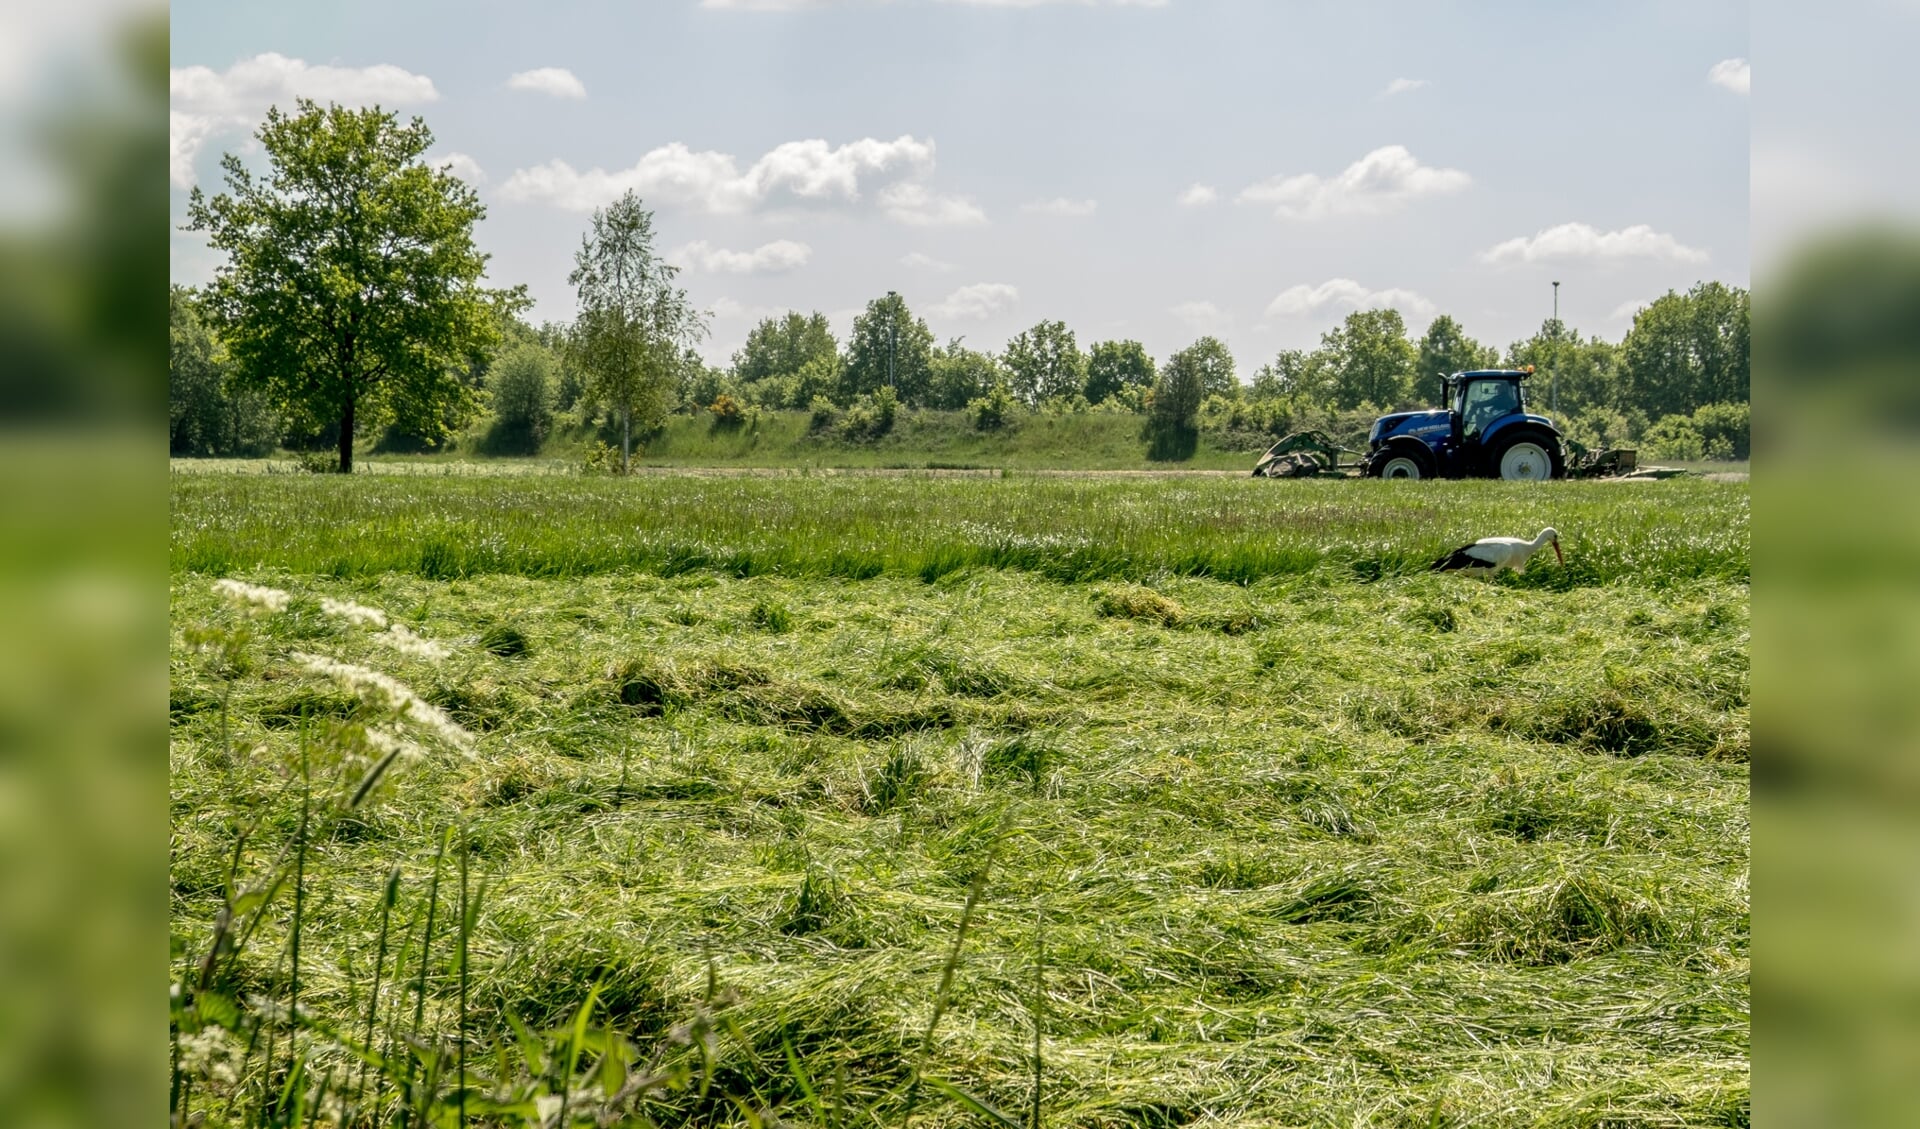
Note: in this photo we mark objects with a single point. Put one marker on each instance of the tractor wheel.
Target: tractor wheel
(1530, 456)
(1401, 462)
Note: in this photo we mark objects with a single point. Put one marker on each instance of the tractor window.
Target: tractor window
(1486, 401)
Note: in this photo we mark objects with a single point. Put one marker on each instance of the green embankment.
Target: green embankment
(919, 439)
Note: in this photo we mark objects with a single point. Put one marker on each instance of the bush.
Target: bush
(728, 413)
(522, 386)
(1674, 439)
(1599, 428)
(1725, 429)
(601, 458)
(871, 416)
(824, 414)
(994, 410)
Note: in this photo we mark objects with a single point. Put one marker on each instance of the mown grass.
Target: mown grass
(1314, 846)
(1069, 529)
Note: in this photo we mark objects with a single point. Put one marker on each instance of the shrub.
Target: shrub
(1674, 438)
(600, 459)
(994, 410)
(522, 385)
(1725, 429)
(871, 416)
(1599, 428)
(729, 414)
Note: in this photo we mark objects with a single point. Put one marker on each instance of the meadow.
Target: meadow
(838, 800)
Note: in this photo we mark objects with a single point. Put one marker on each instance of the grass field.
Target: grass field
(860, 801)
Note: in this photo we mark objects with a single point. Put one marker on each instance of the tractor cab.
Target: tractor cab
(1480, 399)
(1483, 431)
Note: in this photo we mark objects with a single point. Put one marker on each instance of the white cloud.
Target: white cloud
(919, 261)
(976, 302)
(1198, 195)
(1381, 181)
(729, 309)
(204, 103)
(1402, 86)
(460, 165)
(1345, 293)
(913, 204)
(1583, 241)
(186, 133)
(1061, 206)
(556, 81)
(1201, 317)
(769, 258)
(1734, 74)
(800, 171)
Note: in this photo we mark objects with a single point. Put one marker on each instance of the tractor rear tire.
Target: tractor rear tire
(1529, 456)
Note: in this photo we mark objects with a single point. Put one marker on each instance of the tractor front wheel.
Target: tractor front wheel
(1530, 457)
(1401, 461)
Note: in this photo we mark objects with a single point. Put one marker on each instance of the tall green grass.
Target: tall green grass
(1065, 529)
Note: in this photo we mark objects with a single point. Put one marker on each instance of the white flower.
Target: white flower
(352, 612)
(211, 1052)
(384, 742)
(406, 642)
(392, 693)
(240, 592)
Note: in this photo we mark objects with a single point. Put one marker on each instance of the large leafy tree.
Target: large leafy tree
(1114, 365)
(634, 325)
(1571, 376)
(1211, 361)
(1045, 363)
(1685, 350)
(352, 288)
(1369, 360)
(1444, 350)
(889, 346)
(780, 347)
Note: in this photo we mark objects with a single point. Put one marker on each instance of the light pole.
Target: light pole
(1553, 394)
(893, 325)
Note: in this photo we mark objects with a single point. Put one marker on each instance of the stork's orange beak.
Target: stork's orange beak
(1558, 553)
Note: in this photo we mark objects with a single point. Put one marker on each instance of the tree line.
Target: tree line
(352, 303)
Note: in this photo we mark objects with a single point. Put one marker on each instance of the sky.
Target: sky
(1145, 170)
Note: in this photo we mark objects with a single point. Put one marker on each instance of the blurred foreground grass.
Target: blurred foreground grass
(1837, 763)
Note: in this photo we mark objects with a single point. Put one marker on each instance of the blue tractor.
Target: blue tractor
(1484, 431)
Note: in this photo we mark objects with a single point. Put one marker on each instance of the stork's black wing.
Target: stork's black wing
(1459, 558)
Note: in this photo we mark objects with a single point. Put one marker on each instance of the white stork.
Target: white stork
(1491, 554)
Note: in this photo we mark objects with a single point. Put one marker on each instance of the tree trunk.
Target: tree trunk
(626, 429)
(346, 438)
